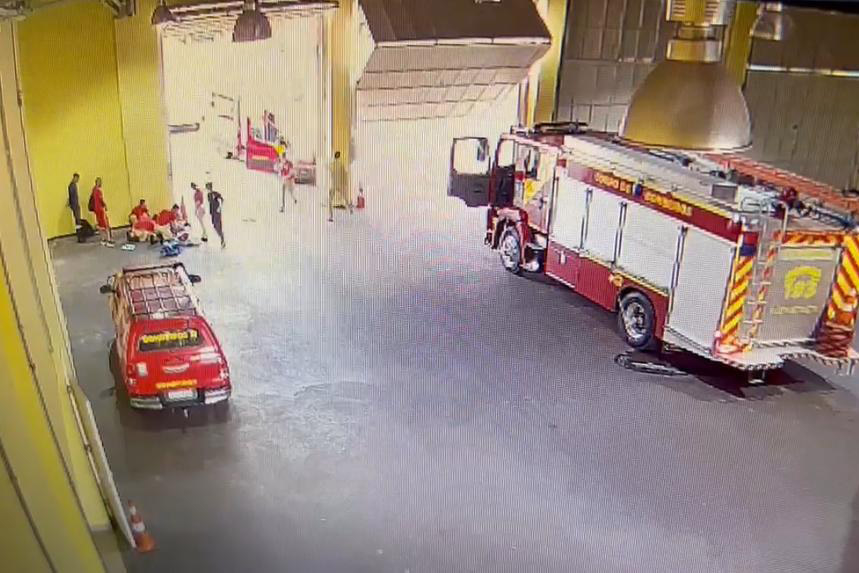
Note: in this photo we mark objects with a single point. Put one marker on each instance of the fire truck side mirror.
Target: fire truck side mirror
(195, 278)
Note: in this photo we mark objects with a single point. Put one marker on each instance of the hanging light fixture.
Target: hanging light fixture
(689, 101)
(162, 14)
(251, 25)
(772, 23)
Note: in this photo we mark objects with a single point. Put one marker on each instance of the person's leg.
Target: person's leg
(331, 193)
(290, 186)
(101, 221)
(283, 195)
(202, 221)
(217, 224)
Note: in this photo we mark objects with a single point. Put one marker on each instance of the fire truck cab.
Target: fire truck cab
(736, 264)
(168, 354)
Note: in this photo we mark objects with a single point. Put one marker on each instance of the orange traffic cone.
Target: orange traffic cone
(143, 540)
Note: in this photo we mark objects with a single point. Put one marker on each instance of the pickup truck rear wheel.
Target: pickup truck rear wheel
(636, 321)
(510, 250)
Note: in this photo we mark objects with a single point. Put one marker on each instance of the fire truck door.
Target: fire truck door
(536, 171)
(469, 170)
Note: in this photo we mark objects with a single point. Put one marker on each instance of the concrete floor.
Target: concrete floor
(402, 404)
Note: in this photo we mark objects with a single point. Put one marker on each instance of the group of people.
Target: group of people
(96, 205)
(167, 224)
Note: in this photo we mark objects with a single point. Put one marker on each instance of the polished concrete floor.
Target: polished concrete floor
(402, 404)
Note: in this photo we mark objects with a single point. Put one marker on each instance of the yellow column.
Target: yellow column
(342, 53)
(739, 41)
(41, 448)
(555, 15)
(144, 124)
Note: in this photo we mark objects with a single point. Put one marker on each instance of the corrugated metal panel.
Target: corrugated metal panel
(822, 40)
(609, 49)
(805, 119)
(806, 123)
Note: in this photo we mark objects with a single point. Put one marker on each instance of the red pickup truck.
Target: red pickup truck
(168, 354)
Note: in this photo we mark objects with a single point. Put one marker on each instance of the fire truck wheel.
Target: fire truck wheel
(637, 321)
(510, 249)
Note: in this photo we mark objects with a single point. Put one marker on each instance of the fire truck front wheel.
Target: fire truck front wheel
(510, 250)
(636, 320)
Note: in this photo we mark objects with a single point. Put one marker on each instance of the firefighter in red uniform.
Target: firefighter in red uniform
(98, 206)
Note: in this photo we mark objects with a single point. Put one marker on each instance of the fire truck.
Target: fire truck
(168, 354)
(726, 258)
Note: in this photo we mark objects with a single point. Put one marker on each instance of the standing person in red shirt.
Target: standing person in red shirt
(98, 206)
(200, 209)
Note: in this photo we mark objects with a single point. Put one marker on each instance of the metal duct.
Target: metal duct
(689, 101)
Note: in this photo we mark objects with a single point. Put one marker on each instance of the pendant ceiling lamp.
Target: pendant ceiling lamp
(162, 14)
(251, 25)
(689, 101)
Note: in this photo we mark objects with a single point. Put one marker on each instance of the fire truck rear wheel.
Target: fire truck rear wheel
(636, 320)
(510, 249)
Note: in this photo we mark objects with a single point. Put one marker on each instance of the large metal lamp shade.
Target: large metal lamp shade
(251, 25)
(162, 14)
(689, 105)
(689, 101)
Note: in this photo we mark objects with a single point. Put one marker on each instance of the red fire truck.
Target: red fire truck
(261, 155)
(168, 354)
(712, 258)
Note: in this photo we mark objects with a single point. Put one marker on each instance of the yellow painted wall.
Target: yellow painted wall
(72, 109)
(35, 459)
(138, 56)
(38, 306)
(19, 547)
(41, 447)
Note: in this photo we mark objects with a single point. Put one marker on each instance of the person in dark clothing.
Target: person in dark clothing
(74, 200)
(216, 201)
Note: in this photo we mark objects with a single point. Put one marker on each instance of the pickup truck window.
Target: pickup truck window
(170, 340)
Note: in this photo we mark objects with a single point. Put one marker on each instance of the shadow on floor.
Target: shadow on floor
(730, 382)
(850, 558)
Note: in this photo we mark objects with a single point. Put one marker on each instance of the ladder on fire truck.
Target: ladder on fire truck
(769, 244)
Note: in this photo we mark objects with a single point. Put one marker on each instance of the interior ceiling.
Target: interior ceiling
(441, 58)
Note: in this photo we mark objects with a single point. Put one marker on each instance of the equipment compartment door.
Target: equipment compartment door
(469, 170)
(697, 301)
